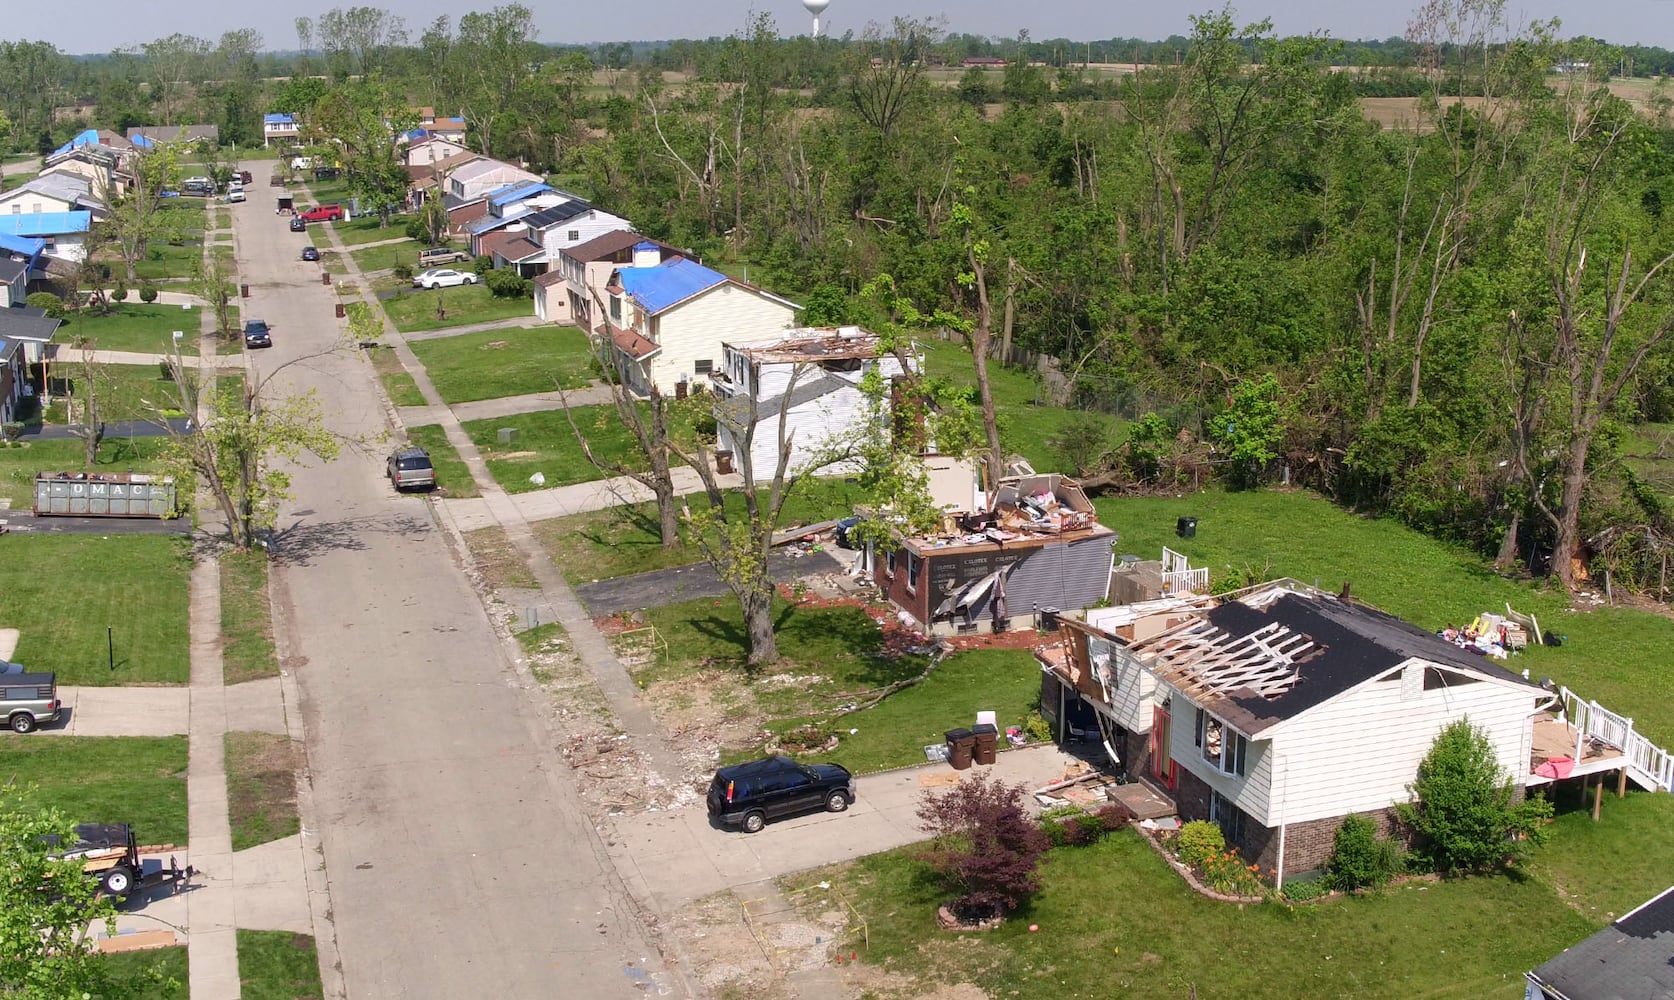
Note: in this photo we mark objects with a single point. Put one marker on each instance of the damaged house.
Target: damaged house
(1279, 710)
(1036, 548)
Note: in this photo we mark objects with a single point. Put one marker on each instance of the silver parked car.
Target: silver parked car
(27, 700)
(442, 277)
(410, 468)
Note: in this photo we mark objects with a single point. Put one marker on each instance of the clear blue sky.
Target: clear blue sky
(101, 25)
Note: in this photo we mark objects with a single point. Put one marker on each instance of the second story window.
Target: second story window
(1223, 747)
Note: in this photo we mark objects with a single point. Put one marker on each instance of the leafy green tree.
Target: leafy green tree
(1249, 430)
(359, 123)
(49, 909)
(1464, 811)
(491, 56)
(138, 217)
(1360, 859)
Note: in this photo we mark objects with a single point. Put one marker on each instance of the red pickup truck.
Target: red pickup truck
(322, 213)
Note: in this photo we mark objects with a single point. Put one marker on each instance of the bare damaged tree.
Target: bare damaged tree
(738, 544)
(1602, 326)
(87, 421)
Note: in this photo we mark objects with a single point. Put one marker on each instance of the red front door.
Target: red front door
(1162, 766)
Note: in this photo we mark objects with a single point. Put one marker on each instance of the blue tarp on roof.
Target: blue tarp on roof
(657, 288)
(45, 223)
(142, 141)
(26, 246)
(491, 222)
(90, 137)
(513, 192)
(278, 119)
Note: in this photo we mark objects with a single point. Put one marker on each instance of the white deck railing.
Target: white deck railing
(1178, 577)
(1648, 764)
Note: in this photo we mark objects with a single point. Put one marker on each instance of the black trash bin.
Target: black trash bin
(987, 740)
(1186, 527)
(961, 744)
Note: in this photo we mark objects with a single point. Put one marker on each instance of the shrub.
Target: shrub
(1360, 859)
(984, 845)
(508, 284)
(1199, 841)
(1113, 816)
(1226, 873)
(1082, 443)
(1037, 729)
(1462, 810)
(148, 294)
(52, 304)
(1302, 890)
(403, 271)
(119, 293)
(11, 430)
(482, 265)
(416, 229)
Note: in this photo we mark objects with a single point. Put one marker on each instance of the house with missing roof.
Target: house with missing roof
(667, 321)
(151, 136)
(999, 560)
(1633, 958)
(804, 388)
(1279, 710)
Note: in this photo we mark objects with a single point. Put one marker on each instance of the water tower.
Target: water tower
(816, 8)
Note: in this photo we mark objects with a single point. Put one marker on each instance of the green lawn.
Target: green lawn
(464, 304)
(18, 464)
(124, 392)
(602, 545)
(131, 326)
(140, 780)
(839, 648)
(246, 618)
(1462, 938)
(402, 390)
(278, 965)
(165, 260)
(1612, 655)
(511, 362)
(386, 256)
(365, 229)
(169, 965)
(1026, 427)
(261, 787)
(895, 732)
(452, 477)
(63, 591)
(546, 443)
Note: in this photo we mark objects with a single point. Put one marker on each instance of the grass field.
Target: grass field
(278, 965)
(18, 465)
(545, 443)
(602, 545)
(261, 787)
(895, 732)
(386, 255)
(402, 390)
(124, 392)
(464, 305)
(365, 229)
(62, 591)
(452, 477)
(164, 261)
(246, 618)
(1610, 654)
(510, 362)
(168, 964)
(140, 780)
(133, 326)
(1026, 427)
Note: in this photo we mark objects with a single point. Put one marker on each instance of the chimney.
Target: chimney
(647, 255)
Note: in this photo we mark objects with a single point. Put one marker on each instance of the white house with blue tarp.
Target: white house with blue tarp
(668, 321)
(63, 234)
(280, 127)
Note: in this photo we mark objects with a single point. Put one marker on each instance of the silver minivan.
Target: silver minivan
(27, 700)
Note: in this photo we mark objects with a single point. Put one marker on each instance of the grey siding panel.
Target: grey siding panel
(1065, 577)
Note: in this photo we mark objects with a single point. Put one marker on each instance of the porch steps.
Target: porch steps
(1650, 766)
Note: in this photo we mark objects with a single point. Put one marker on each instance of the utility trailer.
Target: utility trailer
(109, 852)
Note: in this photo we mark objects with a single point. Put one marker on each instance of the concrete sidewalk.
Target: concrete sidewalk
(71, 354)
(123, 711)
(680, 856)
(505, 406)
(562, 501)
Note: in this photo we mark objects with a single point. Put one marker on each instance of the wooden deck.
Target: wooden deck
(1555, 740)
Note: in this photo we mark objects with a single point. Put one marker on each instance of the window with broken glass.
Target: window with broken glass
(1223, 747)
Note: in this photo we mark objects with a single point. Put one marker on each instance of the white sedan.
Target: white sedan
(441, 277)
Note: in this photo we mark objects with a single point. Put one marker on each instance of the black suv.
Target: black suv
(748, 795)
(257, 334)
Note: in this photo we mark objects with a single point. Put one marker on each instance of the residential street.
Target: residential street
(456, 851)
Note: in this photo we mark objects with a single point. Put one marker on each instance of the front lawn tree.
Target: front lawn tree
(47, 947)
(237, 438)
(212, 281)
(1464, 812)
(359, 124)
(984, 845)
(137, 218)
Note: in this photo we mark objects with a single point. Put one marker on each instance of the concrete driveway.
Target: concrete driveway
(688, 583)
(680, 856)
(457, 854)
(122, 711)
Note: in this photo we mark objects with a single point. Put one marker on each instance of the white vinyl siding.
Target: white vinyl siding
(696, 328)
(574, 232)
(1134, 695)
